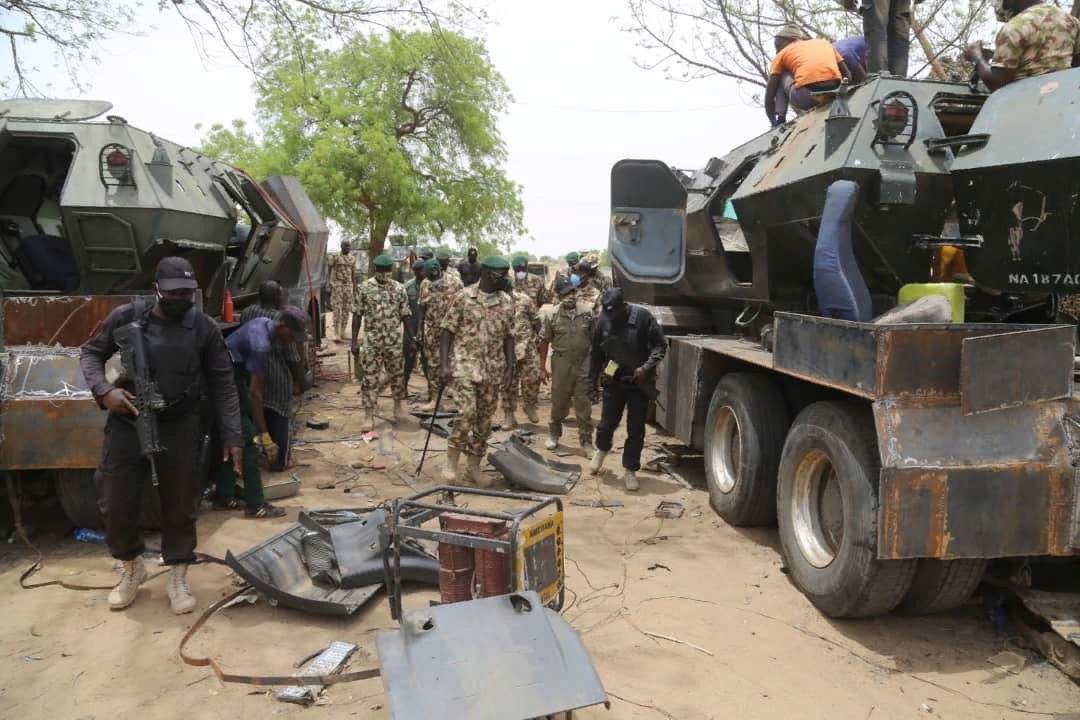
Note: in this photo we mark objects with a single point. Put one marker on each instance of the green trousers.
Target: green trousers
(253, 486)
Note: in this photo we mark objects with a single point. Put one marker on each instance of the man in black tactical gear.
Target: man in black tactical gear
(470, 269)
(627, 346)
(188, 360)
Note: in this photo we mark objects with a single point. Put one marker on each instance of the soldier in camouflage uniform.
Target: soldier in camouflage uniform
(383, 307)
(478, 328)
(342, 267)
(527, 283)
(526, 360)
(436, 297)
(572, 259)
(568, 332)
(1037, 38)
(450, 274)
(597, 279)
(586, 289)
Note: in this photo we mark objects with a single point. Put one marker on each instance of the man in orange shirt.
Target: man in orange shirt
(801, 68)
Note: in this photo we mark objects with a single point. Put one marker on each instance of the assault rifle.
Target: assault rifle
(148, 398)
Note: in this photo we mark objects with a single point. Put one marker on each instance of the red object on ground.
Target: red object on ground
(465, 573)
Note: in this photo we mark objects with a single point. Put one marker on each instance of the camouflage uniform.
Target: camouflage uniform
(533, 287)
(381, 307)
(1036, 41)
(452, 278)
(527, 358)
(342, 293)
(569, 334)
(480, 322)
(589, 294)
(435, 299)
(598, 280)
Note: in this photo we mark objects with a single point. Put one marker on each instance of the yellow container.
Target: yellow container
(953, 292)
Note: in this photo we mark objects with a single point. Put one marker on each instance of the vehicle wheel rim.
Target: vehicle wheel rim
(726, 454)
(817, 509)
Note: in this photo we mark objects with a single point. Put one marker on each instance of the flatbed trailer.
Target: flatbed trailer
(896, 460)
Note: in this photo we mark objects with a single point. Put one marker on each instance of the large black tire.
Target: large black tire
(827, 513)
(744, 435)
(78, 498)
(940, 585)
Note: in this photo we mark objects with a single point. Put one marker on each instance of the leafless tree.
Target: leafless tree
(246, 29)
(691, 39)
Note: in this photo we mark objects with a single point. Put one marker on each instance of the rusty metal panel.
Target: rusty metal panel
(47, 415)
(941, 436)
(974, 512)
(920, 361)
(74, 435)
(49, 320)
(1014, 368)
(836, 353)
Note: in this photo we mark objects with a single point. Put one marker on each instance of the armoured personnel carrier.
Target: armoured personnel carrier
(87, 208)
(897, 458)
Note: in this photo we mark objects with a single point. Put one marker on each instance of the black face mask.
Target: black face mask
(174, 308)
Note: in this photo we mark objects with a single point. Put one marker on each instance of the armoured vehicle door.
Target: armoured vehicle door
(648, 221)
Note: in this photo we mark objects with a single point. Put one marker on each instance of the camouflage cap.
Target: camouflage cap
(442, 254)
(431, 267)
(572, 258)
(384, 262)
(791, 31)
(495, 262)
(592, 258)
(520, 260)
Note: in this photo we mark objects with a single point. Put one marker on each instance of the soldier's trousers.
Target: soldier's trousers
(570, 384)
(476, 404)
(887, 27)
(431, 350)
(253, 485)
(124, 475)
(341, 300)
(411, 357)
(373, 362)
(616, 398)
(526, 384)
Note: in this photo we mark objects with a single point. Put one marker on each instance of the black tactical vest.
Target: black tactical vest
(175, 359)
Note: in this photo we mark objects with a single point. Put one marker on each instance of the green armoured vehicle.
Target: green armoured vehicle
(87, 208)
(903, 455)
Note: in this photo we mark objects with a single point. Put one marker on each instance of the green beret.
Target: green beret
(520, 259)
(442, 254)
(572, 258)
(432, 266)
(496, 262)
(384, 261)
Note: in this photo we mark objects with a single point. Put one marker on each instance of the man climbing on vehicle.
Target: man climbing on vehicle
(1037, 38)
(803, 73)
(887, 28)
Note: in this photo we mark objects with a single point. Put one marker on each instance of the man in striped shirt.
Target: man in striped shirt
(284, 375)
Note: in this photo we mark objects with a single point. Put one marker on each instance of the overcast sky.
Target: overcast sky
(581, 104)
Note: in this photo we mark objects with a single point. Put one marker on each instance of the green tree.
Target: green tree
(387, 133)
(692, 39)
(74, 29)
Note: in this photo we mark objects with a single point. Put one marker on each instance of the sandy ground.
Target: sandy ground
(746, 644)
